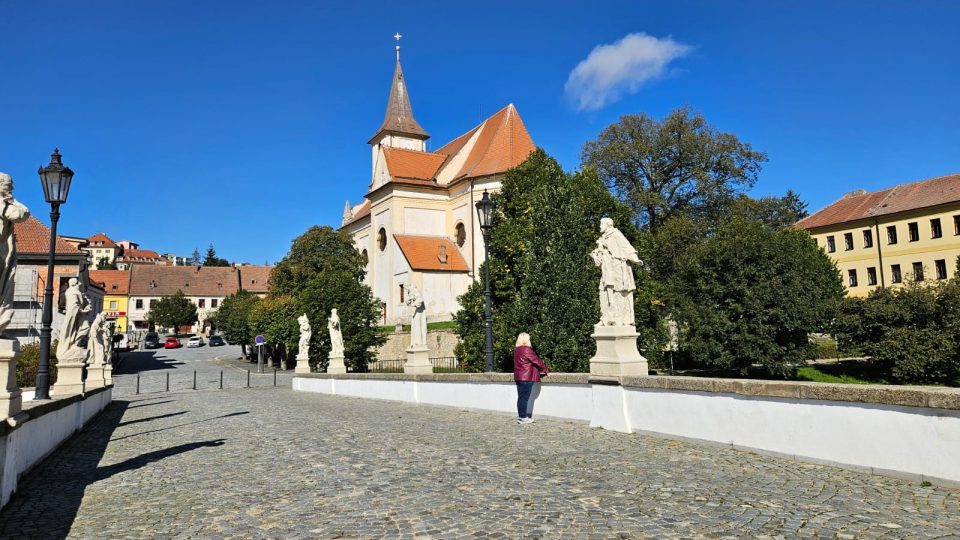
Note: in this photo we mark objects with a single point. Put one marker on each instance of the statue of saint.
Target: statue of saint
(418, 320)
(614, 255)
(305, 334)
(72, 328)
(13, 212)
(98, 345)
(336, 337)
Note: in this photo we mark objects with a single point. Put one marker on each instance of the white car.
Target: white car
(195, 341)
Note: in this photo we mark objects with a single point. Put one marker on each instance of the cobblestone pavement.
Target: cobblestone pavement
(273, 463)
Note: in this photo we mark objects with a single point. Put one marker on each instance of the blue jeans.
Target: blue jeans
(524, 388)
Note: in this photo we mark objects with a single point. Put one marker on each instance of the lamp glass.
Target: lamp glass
(485, 207)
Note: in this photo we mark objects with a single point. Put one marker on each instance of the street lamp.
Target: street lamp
(56, 185)
(485, 212)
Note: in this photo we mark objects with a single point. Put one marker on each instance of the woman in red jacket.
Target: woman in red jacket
(527, 370)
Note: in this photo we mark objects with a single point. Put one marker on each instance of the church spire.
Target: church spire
(399, 117)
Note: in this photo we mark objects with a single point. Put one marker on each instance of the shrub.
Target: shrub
(29, 361)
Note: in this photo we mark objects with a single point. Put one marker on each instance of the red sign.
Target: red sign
(116, 314)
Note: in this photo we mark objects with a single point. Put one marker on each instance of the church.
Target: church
(417, 224)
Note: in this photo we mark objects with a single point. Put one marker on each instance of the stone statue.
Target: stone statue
(336, 337)
(305, 334)
(418, 320)
(98, 346)
(13, 212)
(72, 328)
(614, 254)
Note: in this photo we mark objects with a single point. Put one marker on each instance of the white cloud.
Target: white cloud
(623, 66)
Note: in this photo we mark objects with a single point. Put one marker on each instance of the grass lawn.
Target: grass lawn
(818, 374)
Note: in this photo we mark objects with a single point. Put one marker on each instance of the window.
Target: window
(815, 241)
(868, 238)
(956, 225)
(831, 247)
(213, 302)
(871, 276)
(918, 271)
(114, 287)
(847, 241)
(113, 304)
(895, 275)
(202, 302)
(941, 265)
(366, 257)
(401, 294)
(892, 234)
(139, 303)
(382, 239)
(852, 275)
(914, 231)
(936, 231)
(461, 235)
(153, 302)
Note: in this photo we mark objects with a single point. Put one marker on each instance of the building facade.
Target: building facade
(910, 232)
(206, 287)
(116, 288)
(417, 224)
(101, 248)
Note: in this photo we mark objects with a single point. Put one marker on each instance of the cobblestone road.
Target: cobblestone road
(273, 463)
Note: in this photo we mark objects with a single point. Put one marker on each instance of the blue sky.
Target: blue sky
(243, 123)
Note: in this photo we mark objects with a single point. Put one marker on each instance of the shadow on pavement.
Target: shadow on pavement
(151, 418)
(149, 404)
(140, 361)
(181, 425)
(145, 459)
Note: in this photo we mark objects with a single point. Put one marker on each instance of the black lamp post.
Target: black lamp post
(485, 212)
(56, 185)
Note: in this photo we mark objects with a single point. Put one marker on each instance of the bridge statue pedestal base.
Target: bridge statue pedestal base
(69, 378)
(418, 360)
(335, 364)
(303, 364)
(617, 354)
(95, 378)
(10, 398)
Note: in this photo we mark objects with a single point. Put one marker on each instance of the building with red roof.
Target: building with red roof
(417, 222)
(909, 232)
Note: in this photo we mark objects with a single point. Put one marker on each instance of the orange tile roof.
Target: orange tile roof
(423, 253)
(255, 279)
(503, 143)
(34, 237)
(152, 280)
(114, 281)
(134, 255)
(100, 237)
(412, 164)
(901, 198)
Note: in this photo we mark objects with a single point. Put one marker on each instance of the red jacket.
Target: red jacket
(527, 366)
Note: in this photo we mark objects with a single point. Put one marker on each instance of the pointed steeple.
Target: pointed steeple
(399, 118)
(347, 213)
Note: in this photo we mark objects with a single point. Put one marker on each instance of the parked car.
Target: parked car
(171, 343)
(216, 341)
(195, 341)
(151, 340)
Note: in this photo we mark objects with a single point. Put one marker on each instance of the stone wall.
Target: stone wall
(440, 342)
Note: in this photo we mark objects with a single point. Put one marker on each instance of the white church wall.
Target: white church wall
(425, 221)
(362, 242)
(450, 169)
(441, 290)
(463, 214)
(382, 264)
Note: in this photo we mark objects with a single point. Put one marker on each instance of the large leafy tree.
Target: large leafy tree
(323, 271)
(173, 311)
(752, 295)
(232, 318)
(275, 318)
(680, 165)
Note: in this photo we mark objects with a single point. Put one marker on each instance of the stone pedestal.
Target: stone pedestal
(303, 364)
(335, 364)
(107, 375)
(10, 399)
(617, 354)
(418, 360)
(69, 379)
(94, 378)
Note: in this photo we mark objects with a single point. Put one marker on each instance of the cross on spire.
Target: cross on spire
(397, 37)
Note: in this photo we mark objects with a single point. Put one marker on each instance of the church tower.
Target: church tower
(399, 129)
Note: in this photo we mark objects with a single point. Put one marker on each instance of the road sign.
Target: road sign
(258, 340)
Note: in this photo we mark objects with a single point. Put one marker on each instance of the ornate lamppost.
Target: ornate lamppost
(485, 212)
(56, 185)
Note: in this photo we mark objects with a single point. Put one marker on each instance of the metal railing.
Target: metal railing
(446, 364)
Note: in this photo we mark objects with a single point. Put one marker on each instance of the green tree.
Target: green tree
(679, 165)
(233, 316)
(774, 212)
(275, 318)
(322, 271)
(173, 311)
(751, 295)
(104, 263)
(211, 258)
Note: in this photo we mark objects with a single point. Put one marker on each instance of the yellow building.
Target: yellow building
(910, 232)
(116, 287)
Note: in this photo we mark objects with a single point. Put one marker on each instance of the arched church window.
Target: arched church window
(461, 235)
(366, 257)
(382, 239)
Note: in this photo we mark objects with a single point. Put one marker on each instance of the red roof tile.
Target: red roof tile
(901, 198)
(412, 164)
(427, 253)
(104, 241)
(34, 237)
(114, 281)
(152, 280)
(255, 279)
(503, 143)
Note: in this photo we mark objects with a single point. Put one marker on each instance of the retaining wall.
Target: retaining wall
(908, 432)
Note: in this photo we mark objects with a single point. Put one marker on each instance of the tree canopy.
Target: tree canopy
(173, 311)
(233, 317)
(211, 258)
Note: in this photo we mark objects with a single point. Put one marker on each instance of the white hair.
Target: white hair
(523, 340)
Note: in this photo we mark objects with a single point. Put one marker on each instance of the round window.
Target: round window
(461, 235)
(382, 239)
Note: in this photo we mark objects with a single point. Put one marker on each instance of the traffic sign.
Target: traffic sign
(259, 340)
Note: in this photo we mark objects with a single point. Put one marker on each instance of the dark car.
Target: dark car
(215, 341)
(171, 343)
(152, 340)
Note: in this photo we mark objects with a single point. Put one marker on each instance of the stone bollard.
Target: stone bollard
(10, 398)
(418, 360)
